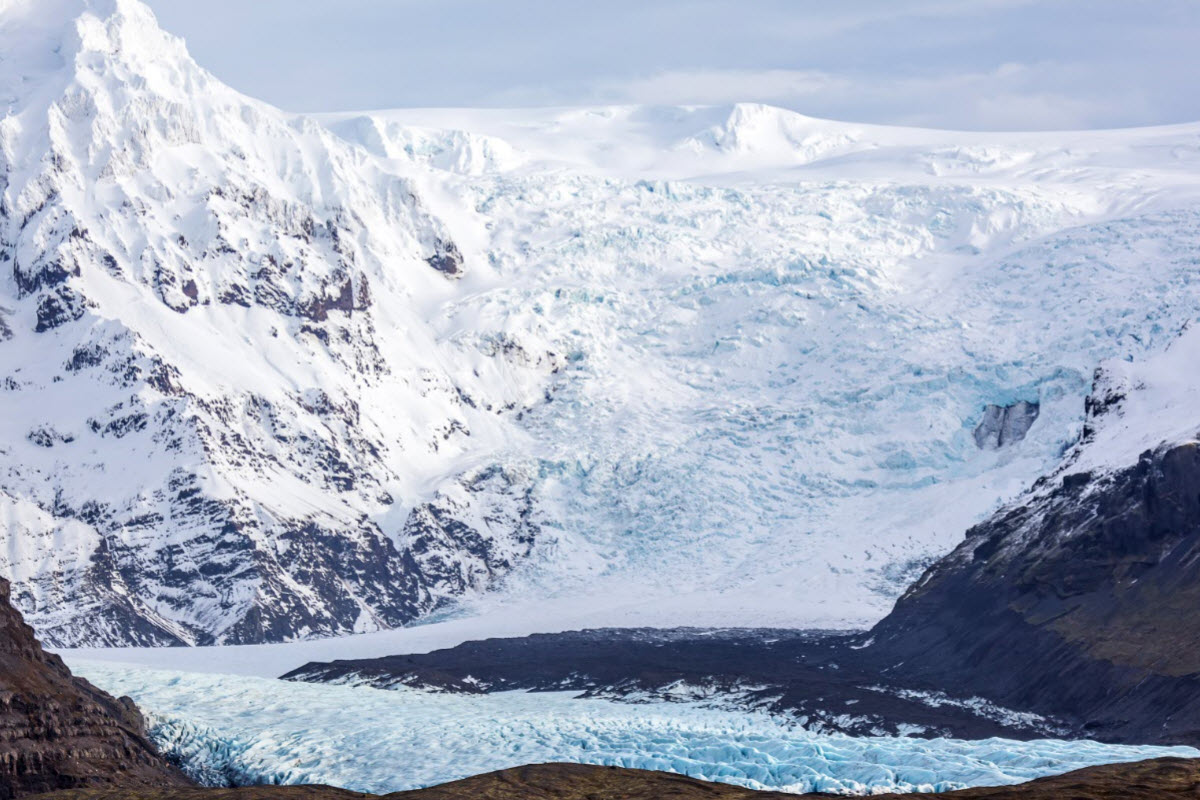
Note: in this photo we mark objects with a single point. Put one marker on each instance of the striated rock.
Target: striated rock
(60, 732)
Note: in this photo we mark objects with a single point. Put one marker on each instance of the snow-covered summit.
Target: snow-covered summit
(269, 377)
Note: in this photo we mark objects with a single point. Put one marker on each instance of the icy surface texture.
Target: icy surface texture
(253, 729)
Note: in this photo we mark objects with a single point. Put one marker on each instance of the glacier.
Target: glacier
(271, 377)
(241, 729)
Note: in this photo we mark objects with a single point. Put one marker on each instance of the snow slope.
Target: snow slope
(270, 377)
(371, 740)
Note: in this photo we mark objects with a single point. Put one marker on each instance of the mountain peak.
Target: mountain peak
(50, 45)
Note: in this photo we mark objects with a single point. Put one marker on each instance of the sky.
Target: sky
(971, 64)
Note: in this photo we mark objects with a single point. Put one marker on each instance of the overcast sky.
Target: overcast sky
(981, 64)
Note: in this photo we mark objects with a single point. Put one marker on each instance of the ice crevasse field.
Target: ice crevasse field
(782, 331)
(749, 347)
(259, 730)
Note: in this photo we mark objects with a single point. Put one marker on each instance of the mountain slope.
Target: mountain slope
(1076, 599)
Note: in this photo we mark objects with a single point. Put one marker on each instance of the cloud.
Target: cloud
(977, 64)
(1012, 96)
(710, 87)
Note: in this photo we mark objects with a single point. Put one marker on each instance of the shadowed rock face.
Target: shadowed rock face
(1080, 603)
(60, 732)
(1005, 425)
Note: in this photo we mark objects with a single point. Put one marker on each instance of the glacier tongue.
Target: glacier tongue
(271, 377)
(243, 730)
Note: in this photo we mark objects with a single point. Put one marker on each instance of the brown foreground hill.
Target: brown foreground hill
(60, 732)
(1160, 779)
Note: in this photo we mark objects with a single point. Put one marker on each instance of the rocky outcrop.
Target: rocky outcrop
(1005, 425)
(446, 259)
(60, 732)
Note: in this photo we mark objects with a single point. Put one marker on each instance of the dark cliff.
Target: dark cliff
(1081, 604)
(60, 732)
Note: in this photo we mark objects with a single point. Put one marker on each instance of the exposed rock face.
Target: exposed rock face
(1005, 425)
(447, 259)
(60, 732)
(1079, 602)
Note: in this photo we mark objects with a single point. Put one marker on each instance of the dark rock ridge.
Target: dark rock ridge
(60, 732)
(818, 677)
(1078, 603)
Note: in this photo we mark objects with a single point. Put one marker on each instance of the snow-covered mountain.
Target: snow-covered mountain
(225, 416)
(267, 377)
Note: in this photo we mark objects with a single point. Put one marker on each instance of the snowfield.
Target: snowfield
(253, 729)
